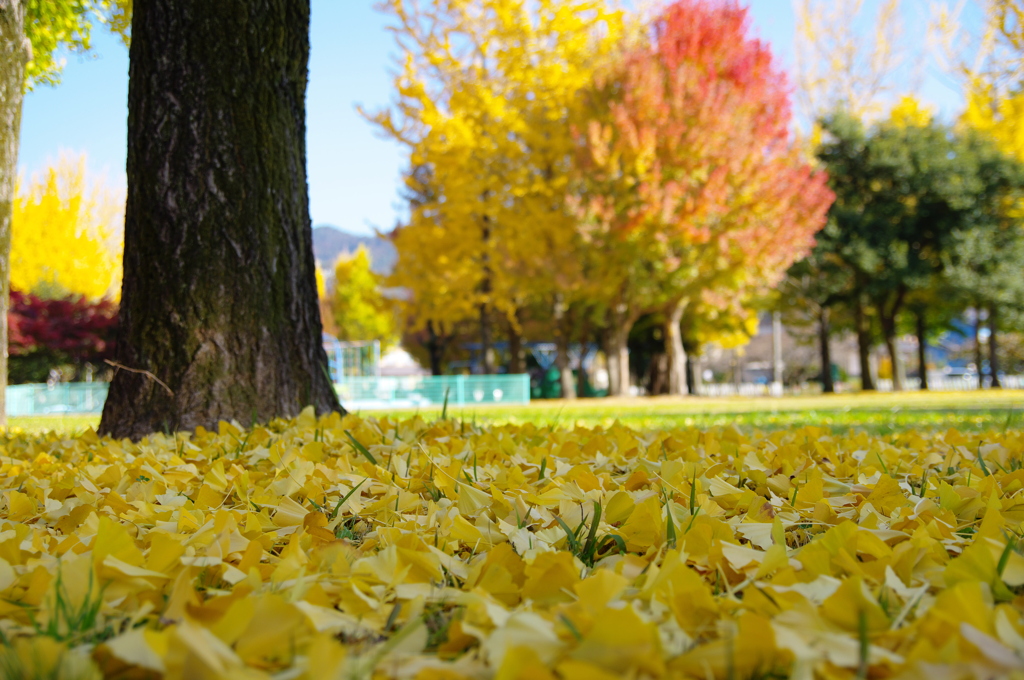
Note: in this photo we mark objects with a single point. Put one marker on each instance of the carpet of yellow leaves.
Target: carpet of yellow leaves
(345, 547)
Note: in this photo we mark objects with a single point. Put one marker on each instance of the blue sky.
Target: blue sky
(353, 173)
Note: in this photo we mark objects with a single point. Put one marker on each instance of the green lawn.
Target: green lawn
(874, 413)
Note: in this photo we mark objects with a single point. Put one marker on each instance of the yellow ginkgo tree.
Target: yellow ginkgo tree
(66, 236)
(486, 98)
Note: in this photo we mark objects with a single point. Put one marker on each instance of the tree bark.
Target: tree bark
(978, 358)
(674, 351)
(867, 381)
(219, 317)
(922, 347)
(993, 348)
(824, 332)
(14, 54)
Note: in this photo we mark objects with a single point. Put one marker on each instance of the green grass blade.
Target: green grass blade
(344, 498)
(360, 448)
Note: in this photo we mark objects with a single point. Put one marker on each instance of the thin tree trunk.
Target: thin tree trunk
(515, 348)
(674, 351)
(867, 381)
(486, 350)
(691, 374)
(436, 346)
(922, 347)
(889, 331)
(564, 369)
(824, 333)
(562, 324)
(978, 358)
(993, 348)
(618, 354)
(15, 52)
(219, 317)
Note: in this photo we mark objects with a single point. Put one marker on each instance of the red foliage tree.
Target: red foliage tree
(46, 333)
(688, 158)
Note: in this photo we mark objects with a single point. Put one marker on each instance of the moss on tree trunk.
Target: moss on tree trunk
(219, 315)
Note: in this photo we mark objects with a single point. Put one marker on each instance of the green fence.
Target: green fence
(355, 393)
(421, 391)
(42, 399)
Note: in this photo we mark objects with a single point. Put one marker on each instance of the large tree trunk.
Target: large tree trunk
(14, 54)
(922, 347)
(824, 333)
(674, 351)
(993, 348)
(219, 316)
(867, 381)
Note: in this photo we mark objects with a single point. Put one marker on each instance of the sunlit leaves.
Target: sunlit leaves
(66, 234)
(347, 546)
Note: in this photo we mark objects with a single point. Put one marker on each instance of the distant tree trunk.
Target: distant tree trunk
(562, 325)
(922, 347)
(867, 381)
(674, 351)
(219, 317)
(824, 333)
(889, 331)
(15, 52)
(691, 374)
(978, 358)
(486, 350)
(617, 350)
(993, 348)
(515, 347)
(693, 377)
(437, 345)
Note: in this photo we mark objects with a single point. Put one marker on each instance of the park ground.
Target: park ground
(875, 413)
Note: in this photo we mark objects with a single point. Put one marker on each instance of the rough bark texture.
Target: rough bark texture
(219, 316)
(922, 347)
(14, 53)
(674, 349)
(993, 348)
(867, 381)
(824, 332)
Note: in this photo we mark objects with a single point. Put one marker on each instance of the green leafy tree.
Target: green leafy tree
(906, 195)
(360, 309)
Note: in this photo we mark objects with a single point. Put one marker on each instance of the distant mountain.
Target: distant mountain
(329, 242)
